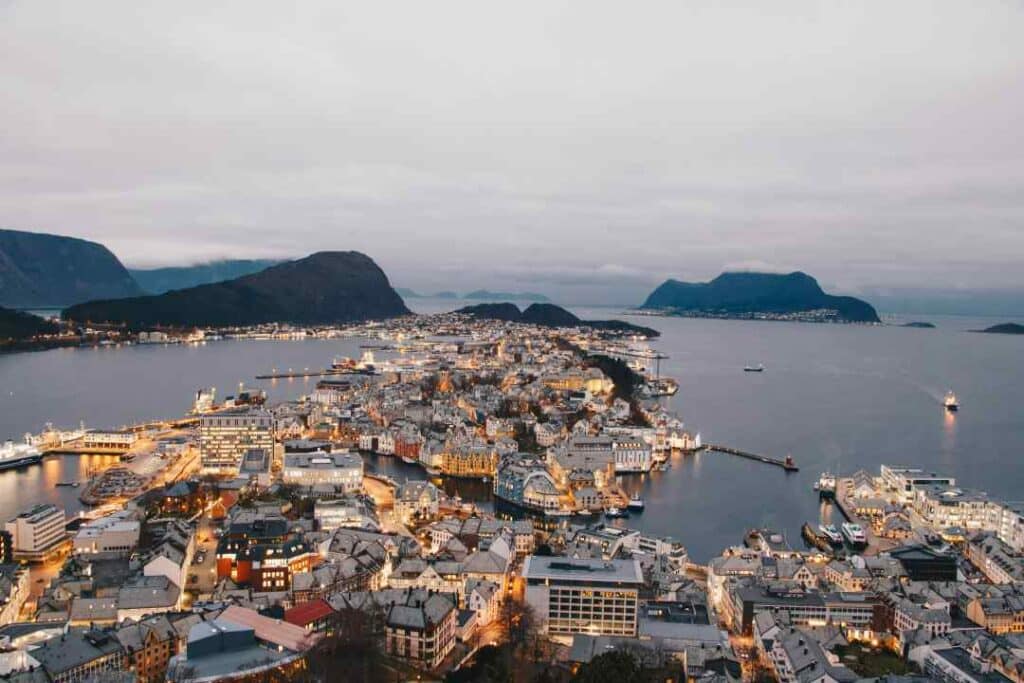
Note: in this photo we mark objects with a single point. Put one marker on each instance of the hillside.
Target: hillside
(160, 280)
(18, 325)
(38, 270)
(550, 315)
(327, 287)
(745, 294)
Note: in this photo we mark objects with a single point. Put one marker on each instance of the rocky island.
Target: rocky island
(326, 287)
(794, 296)
(1003, 328)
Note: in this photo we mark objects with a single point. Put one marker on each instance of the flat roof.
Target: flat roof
(582, 570)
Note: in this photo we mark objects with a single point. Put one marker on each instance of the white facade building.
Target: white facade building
(342, 470)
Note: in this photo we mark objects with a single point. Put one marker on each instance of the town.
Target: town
(250, 540)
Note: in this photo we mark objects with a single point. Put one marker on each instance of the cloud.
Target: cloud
(566, 144)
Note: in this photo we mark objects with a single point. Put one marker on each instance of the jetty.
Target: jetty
(299, 374)
(787, 464)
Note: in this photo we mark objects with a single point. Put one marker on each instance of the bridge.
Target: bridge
(787, 464)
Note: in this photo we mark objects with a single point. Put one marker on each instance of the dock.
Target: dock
(786, 464)
(300, 374)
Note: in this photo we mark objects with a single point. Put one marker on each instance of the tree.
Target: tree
(618, 666)
(518, 622)
(351, 650)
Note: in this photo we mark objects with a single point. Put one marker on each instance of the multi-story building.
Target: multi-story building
(416, 498)
(115, 534)
(526, 482)
(598, 597)
(80, 655)
(469, 460)
(422, 628)
(109, 440)
(995, 559)
(38, 532)
(225, 436)
(342, 470)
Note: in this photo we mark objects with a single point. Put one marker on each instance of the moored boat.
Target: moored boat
(831, 534)
(13, 456)
(636, 503)
(854, 535)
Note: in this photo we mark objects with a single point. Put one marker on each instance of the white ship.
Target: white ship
(854, 534)
(826, 486)
(13, 456)
(636, 503)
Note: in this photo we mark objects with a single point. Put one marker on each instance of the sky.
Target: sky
(587, 150)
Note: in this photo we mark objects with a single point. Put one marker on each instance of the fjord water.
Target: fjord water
(841, 397)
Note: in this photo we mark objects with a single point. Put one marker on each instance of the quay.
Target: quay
(786, 464)
(326, 372)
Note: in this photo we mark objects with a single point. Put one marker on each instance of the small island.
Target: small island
(1003, 328)
(920, 325)
(550, 315)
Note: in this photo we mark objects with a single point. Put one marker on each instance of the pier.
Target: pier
(786, 464)
(299, 374)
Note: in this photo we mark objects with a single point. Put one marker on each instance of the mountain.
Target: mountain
(327, 287)
(740, 294)
(160, 280)
(550, 315)
(407, 293)
(18, 325)
(38, 270)
(1004, 328)
(446, 295)
(486, 295)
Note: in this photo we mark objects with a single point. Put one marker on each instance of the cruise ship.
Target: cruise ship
(13, 456)
(855, 535)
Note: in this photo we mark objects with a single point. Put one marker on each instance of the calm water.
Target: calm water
(835, 397)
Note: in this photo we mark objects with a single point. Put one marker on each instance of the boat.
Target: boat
(952, 405)
(831, 534)
(615, 513)
(826, 485)
(14, 456)
(754, 368)
(662, 387)
(636, 503)
(854, 534)
(72, 484)
(409, 460)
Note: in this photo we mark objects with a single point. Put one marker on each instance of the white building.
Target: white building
(117, 533)
(37, 532)
(342, 470)
(416, 497)
(596, 597)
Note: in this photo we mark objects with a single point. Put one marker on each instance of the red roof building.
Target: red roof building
(312, 616)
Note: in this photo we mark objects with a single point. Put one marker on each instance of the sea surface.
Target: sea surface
(835, 397)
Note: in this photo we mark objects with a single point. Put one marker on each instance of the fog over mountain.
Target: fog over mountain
(584, 150)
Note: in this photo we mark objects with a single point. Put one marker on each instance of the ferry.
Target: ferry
(754, 368)
(615, 512)
(826, 485)
(854, 534)
(636, 503)
(831, 534)
(14, 456)
(952, 405)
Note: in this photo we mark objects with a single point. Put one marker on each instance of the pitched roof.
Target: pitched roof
(308, 612)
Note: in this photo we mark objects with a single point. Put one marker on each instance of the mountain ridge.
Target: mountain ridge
(43, 270)
(325, 287)
(160, 280)
(550, 315)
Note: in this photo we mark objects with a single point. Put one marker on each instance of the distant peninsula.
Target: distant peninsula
(40, 270)
(550, 315)
(160, 280)
(486, 295)
(760, 296)
(920, 325)
(327, 287)
(1003, 328)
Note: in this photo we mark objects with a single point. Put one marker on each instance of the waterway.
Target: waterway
(836, 397)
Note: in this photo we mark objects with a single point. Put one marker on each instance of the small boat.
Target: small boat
(826, 485)
(754, 368)
(952, 405)
(615, 513)
(636, 503)
(831, 534)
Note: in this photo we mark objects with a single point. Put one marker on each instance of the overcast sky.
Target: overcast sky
(584, 149)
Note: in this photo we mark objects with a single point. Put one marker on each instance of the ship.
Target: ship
(14, 456)
(826, 485)
(754, 368)
(615, 512)
(952, 405)
(636, 503)
(854, 535)
(661, 387)
(831, 534)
